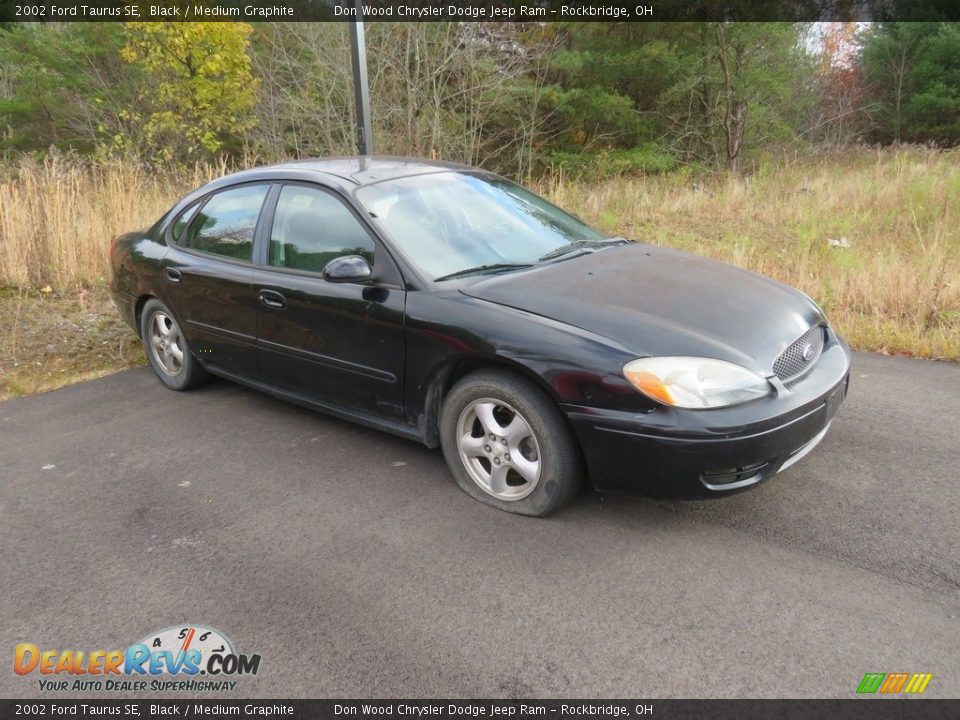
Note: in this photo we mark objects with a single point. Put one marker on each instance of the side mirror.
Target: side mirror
(348, 268)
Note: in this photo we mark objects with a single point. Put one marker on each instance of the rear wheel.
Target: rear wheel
(167, 349)
(507, 445)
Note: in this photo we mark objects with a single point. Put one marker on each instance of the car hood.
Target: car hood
(656, 301)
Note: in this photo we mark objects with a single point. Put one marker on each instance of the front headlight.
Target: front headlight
(696, 383)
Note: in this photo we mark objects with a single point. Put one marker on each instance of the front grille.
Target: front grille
(791, 363)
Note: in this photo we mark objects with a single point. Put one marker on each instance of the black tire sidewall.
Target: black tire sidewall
(561, 474)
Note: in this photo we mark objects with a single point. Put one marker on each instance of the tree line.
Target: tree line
(522, 98)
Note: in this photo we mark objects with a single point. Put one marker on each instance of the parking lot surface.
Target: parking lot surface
(352, 564)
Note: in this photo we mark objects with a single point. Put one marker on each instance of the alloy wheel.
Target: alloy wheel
(499, 449)
(166, 343)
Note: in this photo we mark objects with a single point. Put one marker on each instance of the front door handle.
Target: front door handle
(174, 275)
(272, 299)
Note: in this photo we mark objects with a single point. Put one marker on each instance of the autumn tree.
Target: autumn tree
(840, 116)
(199, 86)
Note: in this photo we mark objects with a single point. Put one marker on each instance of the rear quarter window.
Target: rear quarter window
(180, 224)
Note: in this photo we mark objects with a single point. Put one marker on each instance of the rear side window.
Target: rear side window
(312, 227)
(226, 224)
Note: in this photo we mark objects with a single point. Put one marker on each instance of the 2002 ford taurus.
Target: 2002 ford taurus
(449, 305)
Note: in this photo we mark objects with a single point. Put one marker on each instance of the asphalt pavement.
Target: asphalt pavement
(353, 565)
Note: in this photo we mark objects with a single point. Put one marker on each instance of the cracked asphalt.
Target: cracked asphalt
(351, 562)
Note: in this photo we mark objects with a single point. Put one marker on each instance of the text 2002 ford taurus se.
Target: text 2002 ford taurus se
(448, 305)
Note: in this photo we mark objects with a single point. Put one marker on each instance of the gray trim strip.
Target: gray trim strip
(214, 330)
(699, 438)
(328, 361)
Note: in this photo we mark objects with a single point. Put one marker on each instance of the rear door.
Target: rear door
(340, 343)
(208, 277)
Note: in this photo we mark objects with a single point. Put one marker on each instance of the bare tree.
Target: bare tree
(305, 106)
(466, 92)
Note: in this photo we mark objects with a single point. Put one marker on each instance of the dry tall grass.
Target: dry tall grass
(57, 216)
(894, 288)
(873, 237)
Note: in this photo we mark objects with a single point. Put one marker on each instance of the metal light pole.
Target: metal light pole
(361, 90)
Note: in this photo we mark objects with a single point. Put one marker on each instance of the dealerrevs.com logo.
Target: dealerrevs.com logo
(187, 658)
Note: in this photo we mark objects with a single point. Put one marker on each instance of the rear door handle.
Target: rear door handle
(174, 275)
(273, 299)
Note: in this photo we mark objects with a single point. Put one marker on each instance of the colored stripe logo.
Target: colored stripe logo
(893, 683)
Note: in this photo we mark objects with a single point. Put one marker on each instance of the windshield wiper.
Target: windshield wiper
(578, 244)
(483, 268)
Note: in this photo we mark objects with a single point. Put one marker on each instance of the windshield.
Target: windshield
(450, 222)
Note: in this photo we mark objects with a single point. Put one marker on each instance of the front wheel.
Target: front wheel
(507, 444)
(167, 349)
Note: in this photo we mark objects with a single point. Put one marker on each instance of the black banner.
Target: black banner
(476, 10)
(854, 709)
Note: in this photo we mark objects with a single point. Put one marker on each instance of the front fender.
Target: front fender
(571, 365)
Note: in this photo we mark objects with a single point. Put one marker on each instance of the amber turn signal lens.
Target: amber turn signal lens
(650, 385)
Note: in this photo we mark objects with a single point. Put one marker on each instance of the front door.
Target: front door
(339, 343)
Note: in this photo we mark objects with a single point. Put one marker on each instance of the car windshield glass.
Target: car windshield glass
(449, 222)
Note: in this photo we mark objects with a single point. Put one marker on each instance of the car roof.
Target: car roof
(354, 170)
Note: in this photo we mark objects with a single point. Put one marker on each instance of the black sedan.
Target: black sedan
(451, 306)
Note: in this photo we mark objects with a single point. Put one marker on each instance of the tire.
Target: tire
(168, 352)
(530, 467)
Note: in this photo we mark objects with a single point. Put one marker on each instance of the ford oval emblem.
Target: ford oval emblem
(807, 352)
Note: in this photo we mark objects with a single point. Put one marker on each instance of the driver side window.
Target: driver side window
(312, 227)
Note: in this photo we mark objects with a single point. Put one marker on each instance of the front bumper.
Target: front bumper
(677, 453)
